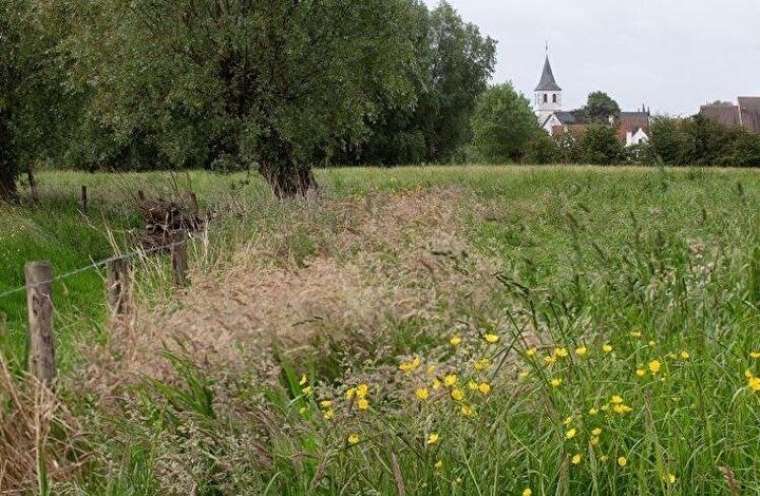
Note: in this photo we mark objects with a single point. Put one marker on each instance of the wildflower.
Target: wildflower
(652, 343)
(467, 411)
(303, 380)
(422, 394)
(472, 385)
(607, 348)
(482, 364)
(450, 380)
(362, 390)
(576, 459)
(362, 404)
(593, 411)
(353, 438)
(605, 408)
(484, 388)
(635, 334)
(571, 433)
(350, 393)
(457, 394)
(328, 414)
(641, 372)
(594, 440)
(616, 399)
(438, 465)
(655, 366)
(556, 382)
(524, 374)
(684, 355)
(754, 383)
(670, 478)
(755, 354)
(560, 352)
(622, 461)
(307, 391)
(433, 438)
(531, 352)
(455, 341)
(436, 384)
(568, 421)
(527, 492)
(622, 409)
(491, 338)
(581, 351)
(597, 432)
(550, 360)
(604, 458)
(410, 366)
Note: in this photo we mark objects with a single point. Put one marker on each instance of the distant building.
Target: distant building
(745, 114)
(632, 127)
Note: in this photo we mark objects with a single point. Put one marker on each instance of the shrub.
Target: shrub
(600, 145)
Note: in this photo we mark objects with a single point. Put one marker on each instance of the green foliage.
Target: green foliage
(542, 149)
(600, 106)
(600, 145)
(503, 124)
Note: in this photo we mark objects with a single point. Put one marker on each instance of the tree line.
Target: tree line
(276, 85)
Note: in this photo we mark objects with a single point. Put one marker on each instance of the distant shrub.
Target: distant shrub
(541, 150)
(600, 145)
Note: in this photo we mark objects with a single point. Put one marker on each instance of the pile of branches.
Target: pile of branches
(164, 219)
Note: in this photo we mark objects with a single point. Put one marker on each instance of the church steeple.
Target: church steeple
(548, 93)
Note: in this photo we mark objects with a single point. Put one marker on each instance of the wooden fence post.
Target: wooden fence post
(39, 302)
(84, 199)
(119, 287)
(179, 258)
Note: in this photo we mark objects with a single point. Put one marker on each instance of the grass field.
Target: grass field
(462, 330)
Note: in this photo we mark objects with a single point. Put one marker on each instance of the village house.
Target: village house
(745, 114)
(632, 127)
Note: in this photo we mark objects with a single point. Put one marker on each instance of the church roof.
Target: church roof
(749, 107)
(547, 82)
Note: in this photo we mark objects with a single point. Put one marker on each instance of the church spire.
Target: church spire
(547, 82)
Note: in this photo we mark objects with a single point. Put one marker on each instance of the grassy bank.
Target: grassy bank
(473, 330)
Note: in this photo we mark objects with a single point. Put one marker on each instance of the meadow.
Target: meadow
(411, 331)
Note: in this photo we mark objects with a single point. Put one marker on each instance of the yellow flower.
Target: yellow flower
(433, 438)
(328, 414)
(684, 355)
(622, 409)
(670, 478)
(362, 404)
(436, 384)
(467, 411)
(455, 341)
(472, 385)
(350, 393)
(652, 343)
(362, 390)
(484, 388)
(524, 374)
(410, 366)
(457, 394)
(422, 394)
(308, 391)
(597, 432)
(655, 366)
(622, 461)
(641, 372)
(593, 411)
(303, 380)
(755, 354)
(527, 492)
(635, 334)
(325, 403)
(754, 383)
(450, 380)
(604, 458)
(482, 364)
(560, 352)
(581, 351)
(491, 338)
(556, 382)
(607, 348)
(594, 440)
(568, 421)
(616, 399)
(438, 465)
(353, 438)
(570, 433)
(550, 359)
(531, 352)
(576, 459)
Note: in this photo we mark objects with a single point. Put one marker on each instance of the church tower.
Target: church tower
(548, 93)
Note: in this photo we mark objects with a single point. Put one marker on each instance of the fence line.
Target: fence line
(94, 265)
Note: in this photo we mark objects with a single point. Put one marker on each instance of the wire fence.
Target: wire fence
(94, 265)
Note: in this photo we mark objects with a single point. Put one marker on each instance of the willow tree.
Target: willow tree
(264, 82)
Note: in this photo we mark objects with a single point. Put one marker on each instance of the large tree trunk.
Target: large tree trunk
(8, 192)
(278, 166)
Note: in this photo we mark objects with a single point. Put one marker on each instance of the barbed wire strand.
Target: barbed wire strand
(93, 265)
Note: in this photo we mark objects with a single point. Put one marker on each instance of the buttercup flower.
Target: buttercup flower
(362, 404)
(328, 414)
(450, 380)
(641, 372)
(556, 382)
(593, 411)
(570, 433)
(576, 459)
(684, 355)
(410, 366)
(622, 461)
(755, 354)
(325, 403)
(491, 338)
(597, 432)
(531, 352)
(455, 341)
(362, 390)
(484, 388)
(568, 421)
(457, 394)
(560, 352)
(616, 399)
(655, 366)
(303, 380)
(467, 411)
(581, 351)
(422, 394)
(353, 438)
(527, 492)
(482, 364)
(607, 348)
(433, 438)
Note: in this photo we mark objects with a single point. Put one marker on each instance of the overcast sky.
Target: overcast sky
(673, 55)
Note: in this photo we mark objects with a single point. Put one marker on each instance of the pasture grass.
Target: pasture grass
(621, 299)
